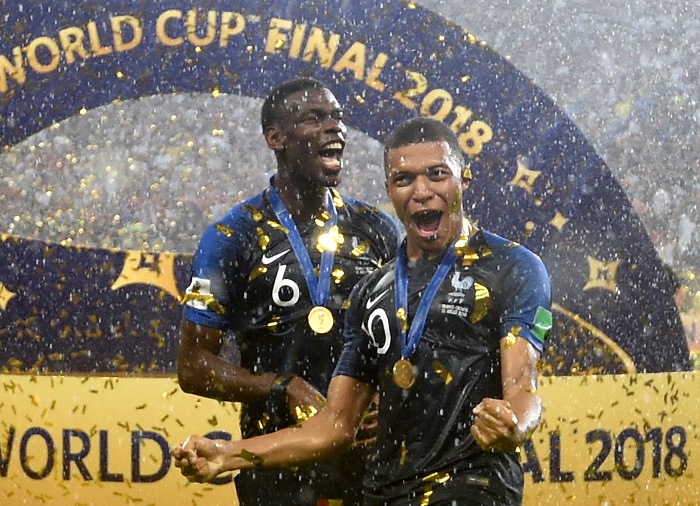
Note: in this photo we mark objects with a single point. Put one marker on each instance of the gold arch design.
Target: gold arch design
(155, 269)
(627, 361)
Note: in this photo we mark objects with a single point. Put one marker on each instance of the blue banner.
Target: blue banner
(536, 178)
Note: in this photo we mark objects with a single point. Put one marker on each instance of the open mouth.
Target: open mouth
(427, 222)
(332, 154)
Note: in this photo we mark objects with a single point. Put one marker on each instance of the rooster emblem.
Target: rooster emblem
(460, 285)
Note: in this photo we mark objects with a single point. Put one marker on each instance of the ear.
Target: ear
(466, 177)
(275, 138)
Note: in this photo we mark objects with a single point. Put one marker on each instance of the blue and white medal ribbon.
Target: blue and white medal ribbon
(404, 373)
(320, 318)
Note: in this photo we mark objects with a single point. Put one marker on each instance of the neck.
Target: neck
(416, 251)
(303, 202)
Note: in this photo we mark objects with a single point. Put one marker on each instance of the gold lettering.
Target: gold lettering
(437, 96)
(161, 29)
(354, 60)
(373, 76)
(297, 40)
(317, 44)
(97, 48)
(462, 115)
(135, 24)
(33, 59)
(191, 25)
(420, 86)
(276, 39)
(227, 30)
(72, 41)
(15, 71)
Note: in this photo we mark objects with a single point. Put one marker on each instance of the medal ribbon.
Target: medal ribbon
(318, 289)
(409, 340)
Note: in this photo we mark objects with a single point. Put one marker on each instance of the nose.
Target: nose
(333, 124)
(422, 189)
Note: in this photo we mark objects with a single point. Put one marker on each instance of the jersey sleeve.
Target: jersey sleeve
(208, 298)
(527, 300)
(358, 358)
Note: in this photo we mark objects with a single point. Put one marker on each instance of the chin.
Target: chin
(331, 179)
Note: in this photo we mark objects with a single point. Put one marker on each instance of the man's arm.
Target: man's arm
(504, 424)
(201, 371)
(326, 434)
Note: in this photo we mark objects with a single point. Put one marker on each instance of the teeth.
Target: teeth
(333, 145)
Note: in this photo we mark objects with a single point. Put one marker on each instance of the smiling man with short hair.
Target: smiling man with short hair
(449, 333)
(277, 271)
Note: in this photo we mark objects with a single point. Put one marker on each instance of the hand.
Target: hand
(367, 433)
(304, 400)
(496, 427)
(200, 459)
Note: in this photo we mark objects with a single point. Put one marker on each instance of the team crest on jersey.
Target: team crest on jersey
(460, 286)
(458, 295)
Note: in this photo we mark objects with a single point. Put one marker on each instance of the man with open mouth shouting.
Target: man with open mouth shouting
(276, 272)
(449, 333)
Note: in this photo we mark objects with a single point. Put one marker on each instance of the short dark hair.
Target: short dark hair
(274, 107)
(418, 131)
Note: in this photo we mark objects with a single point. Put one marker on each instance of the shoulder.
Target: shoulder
(363, 211)
(371, 220)
(240, 220)
(512, 257)
(506, 249)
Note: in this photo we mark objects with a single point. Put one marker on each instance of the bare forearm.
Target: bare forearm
(328, 433)
(519, 377)
(527, 407)
(288, 447)
(203, 373)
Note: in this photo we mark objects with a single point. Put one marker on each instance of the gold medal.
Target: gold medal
(320, 319)
(404, 374)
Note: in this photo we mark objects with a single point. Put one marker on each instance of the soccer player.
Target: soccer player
(449, 334)
(276, 272)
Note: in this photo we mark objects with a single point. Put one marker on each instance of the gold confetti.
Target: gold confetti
(302, 414)
(404, 453)
(277, 226)
(257, 272)
(209, 300)
(512, 336)
(337, 199)
(254, 213)
(251, 457)
(338, 275)
(330, 240)
(442, 371)
(263, 239)
(403, 319)
(482, 304)
(228, 232)
(360, 249)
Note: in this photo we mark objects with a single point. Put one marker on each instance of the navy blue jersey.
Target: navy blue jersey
(250, 282)
(497, 287)
(247, 279)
